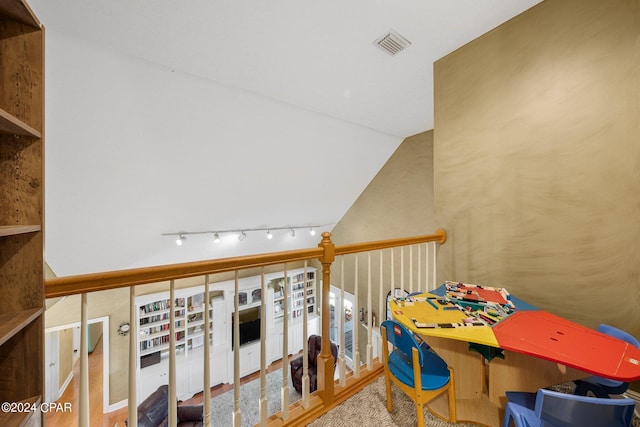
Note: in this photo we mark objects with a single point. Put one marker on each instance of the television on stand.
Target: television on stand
(249, 326)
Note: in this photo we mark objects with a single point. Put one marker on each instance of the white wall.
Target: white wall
(134, 149)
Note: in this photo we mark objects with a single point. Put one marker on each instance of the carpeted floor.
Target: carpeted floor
(222, 406)
(368, 408)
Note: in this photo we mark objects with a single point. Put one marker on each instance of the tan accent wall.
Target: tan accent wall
(537, 160)
(65, 359)
(95, 334)
(398, 202)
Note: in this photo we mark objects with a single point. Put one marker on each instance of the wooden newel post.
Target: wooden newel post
(325, 362)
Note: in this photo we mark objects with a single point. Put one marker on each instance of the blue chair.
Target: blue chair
(603, 387)
(552, 408)
(419, 372)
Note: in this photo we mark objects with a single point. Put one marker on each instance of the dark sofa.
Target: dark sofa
(154, 411)
(313, 347)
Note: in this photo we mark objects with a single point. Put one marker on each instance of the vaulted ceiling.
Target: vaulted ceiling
(314, 58)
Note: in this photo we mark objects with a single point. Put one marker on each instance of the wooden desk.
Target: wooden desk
(540, 349)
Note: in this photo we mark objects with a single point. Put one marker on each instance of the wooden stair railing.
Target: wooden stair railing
(325, 253)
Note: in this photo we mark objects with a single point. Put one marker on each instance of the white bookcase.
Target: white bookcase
(153, 338)
(154, 328)
(298, 288)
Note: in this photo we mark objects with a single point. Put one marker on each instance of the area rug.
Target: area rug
(222, 406)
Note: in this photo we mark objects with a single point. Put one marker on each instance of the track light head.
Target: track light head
(312, 231)
(242, 236)
(293, 233)
(269, 235)
(216, 238)
(181, 239)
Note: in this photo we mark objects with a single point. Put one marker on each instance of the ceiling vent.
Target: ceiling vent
(392, 43)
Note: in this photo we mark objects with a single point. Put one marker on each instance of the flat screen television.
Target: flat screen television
(249, 326)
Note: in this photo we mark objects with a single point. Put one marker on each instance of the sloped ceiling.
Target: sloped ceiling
(121, 169)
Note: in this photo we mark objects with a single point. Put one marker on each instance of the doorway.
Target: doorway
(62, 350)
(342, 307)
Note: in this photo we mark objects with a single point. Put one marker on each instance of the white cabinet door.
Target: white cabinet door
(195, 375)
(249, 359)
(150, 378)
(295, 338)
(220, 323)
(313, 326)
(274, 345)
(218, 369)
(195, 370)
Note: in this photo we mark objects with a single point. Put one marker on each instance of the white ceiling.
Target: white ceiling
(228, 91)
(317, 55)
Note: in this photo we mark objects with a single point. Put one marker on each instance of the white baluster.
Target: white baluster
(393, 275)
(237, 416)
(382, 308)
(433, 266)
(284, 393)
(356, 326)
(369, 315)
(419, 270)
(410, 269)
(402, 269)
(83, 397)
(132, 403)
(206, 416)
(342, 363)
(173, 410)
(427, 270)
(263, 350)
(305, 345)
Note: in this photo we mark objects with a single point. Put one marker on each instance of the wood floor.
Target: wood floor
(70, 395)
(116, 418)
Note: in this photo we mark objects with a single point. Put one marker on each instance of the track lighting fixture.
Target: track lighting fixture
(242, 232)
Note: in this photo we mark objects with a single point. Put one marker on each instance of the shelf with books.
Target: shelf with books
(154, 327)
(303, 287)
(298, 288)
(195, 325)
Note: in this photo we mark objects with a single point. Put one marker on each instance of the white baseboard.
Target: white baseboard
(118, 405)
(66, 384)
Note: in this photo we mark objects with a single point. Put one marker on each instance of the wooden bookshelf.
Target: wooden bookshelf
(12, 323)
(12, 125)
(30, 418)
(21, 210)
(12, 230)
